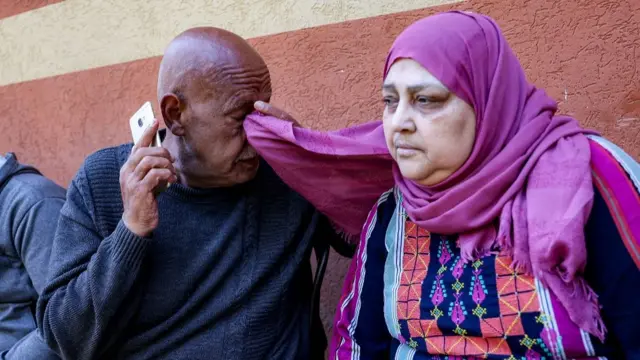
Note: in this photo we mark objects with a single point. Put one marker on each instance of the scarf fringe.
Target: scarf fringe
(504, 243)
(594, 324)
(469, 255)
(351, 239)
(521, 265)
(581, 291)
(580, 297)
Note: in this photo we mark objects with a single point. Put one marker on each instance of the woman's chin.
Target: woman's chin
(412, 172)
(422, 176)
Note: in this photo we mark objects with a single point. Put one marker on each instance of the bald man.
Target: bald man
(216, 266)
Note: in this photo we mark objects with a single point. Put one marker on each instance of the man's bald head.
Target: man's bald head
(209, 80)
(201, 54)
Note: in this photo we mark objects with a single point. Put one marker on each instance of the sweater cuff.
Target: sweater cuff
(128, 247)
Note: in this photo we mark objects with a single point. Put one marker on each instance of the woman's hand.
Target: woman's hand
(271, 110)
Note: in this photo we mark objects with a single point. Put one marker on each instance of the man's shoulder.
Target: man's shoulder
(100, 171)
(107, 159)
(96, 187)
(275, 185)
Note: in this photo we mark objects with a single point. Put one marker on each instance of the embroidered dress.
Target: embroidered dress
(409, 295)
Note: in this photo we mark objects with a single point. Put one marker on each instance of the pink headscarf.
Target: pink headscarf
(526, 188)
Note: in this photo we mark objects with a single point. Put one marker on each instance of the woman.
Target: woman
(510, 232)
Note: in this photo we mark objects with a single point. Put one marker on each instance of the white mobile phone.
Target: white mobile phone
(140, 121)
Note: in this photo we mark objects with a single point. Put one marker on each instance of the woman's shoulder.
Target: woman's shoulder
(616, 181)
(616, 175)
(612, 236)
(605, 152)
(386, 204)
(380, 215)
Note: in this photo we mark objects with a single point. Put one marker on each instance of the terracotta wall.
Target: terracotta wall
(61, 100)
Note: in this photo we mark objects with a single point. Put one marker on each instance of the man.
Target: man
(29, 209)
(216, 266)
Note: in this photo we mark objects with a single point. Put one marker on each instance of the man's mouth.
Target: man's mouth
(247, 155)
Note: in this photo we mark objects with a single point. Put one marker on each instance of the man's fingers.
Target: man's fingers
(136, 157)
(141, 153)
(147, 136)
(271, 110)
(261, 106)
(155, 177)
(152, 162)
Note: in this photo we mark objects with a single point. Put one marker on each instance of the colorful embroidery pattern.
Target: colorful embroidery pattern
(482, 309)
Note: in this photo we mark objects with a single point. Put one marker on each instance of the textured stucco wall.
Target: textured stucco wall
(73, 35)
(14, 7)
(585, 53)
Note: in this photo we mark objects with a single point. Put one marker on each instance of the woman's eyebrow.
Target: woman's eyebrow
(411, 88)
(389, 87)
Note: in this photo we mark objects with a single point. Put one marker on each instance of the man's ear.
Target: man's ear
(171, 108)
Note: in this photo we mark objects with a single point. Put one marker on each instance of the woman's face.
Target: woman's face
(429, 130)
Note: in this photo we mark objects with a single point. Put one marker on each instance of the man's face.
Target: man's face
(214, 112)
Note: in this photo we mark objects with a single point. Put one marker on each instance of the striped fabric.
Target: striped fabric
(409, 296)
(617, 177)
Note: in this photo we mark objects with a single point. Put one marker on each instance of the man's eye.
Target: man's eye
(238, 129)
(239, 116)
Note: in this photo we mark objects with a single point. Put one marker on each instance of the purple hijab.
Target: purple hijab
(525, 189)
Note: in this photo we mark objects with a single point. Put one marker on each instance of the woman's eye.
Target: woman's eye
(431, 99)
(423, 100)
(388, 101)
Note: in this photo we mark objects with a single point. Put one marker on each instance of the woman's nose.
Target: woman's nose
(403, 118)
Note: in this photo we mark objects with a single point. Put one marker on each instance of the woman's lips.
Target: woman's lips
(405, 150)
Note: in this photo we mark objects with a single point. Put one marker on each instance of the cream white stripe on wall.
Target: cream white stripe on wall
(76, 35)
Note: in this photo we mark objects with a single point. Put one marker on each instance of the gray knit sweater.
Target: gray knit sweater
(226, 274)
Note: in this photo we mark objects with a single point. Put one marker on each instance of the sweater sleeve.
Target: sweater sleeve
(34, 236)
(87, 300)
(32, 240)
(29, 347)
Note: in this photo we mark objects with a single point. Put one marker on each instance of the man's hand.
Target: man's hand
(147, 170)
(271, 110)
